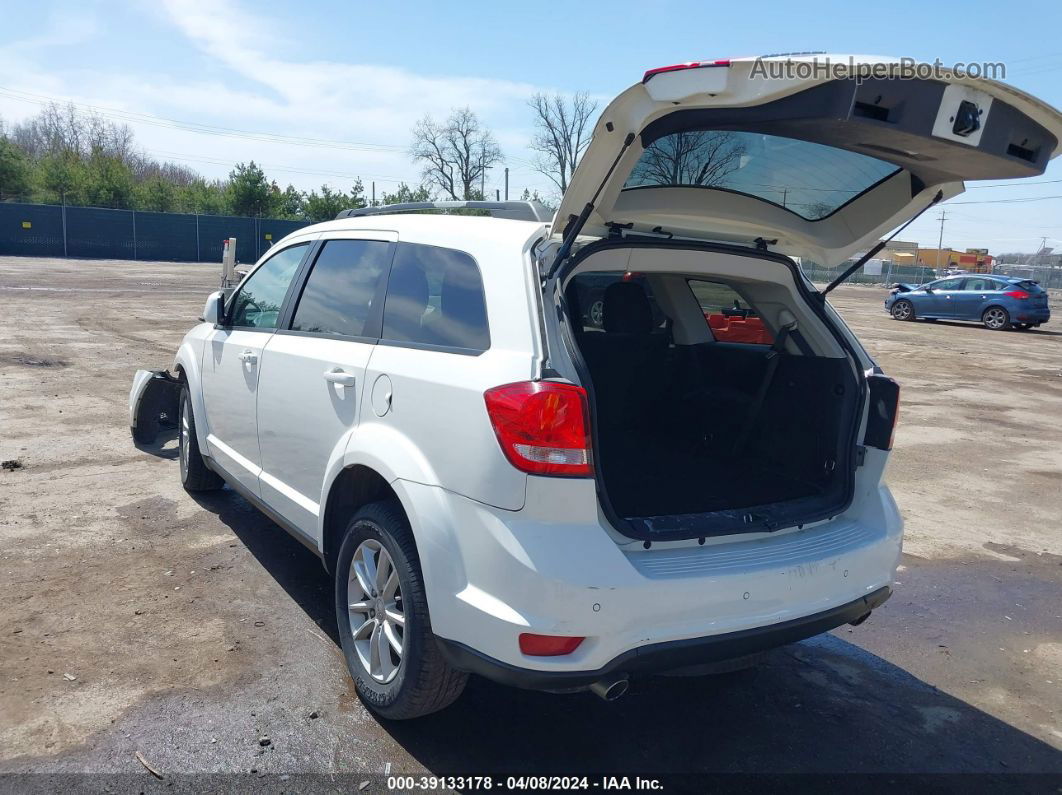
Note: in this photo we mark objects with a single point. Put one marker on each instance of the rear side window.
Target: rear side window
(341, 290)
(730, 318)
(435, 297)
(981, 285)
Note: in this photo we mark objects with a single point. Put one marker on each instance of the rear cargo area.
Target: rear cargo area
(709, 438)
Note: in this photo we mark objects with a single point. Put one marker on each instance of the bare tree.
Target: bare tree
(456, 153)
(699, 157)
(562, 132)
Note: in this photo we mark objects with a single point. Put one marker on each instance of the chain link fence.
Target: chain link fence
(42, 230)
(1049, 277)
(882, 274)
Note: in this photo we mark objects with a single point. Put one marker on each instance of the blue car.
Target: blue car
(999, 302)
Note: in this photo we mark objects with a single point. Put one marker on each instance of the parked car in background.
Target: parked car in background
(999, 302)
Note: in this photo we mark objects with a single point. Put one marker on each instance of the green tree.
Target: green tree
(405, 194)
(289, 204)
(157, 193)
(249, 191)
(61, 177)
(327, 204)
(108, 182)
(14, 169)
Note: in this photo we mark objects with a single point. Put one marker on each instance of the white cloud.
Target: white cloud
(316, 99)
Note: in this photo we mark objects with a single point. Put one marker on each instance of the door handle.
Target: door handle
(340, 377)
(248, 357)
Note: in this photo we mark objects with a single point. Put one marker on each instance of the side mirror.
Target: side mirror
(214, 309)
(928, 289)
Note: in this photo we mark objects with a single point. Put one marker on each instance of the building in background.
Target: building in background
(973, 260)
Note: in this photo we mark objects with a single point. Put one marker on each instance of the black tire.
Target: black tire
(903, 310)
(424, 682)
(996, 318)
(195, 475)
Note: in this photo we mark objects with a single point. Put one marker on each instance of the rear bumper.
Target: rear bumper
(668, 656)
(552, 568)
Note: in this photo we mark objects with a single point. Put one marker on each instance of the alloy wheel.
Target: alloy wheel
(182, 443)
(375, 610)
(995, 318)
(902, 310)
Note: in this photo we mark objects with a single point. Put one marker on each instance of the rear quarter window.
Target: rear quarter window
(729, 317)
(435, 298)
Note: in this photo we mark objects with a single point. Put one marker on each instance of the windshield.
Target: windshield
(811, 180)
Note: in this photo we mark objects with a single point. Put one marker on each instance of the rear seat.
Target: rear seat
(628, 362)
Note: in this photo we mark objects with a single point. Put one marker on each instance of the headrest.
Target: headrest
(626, 309)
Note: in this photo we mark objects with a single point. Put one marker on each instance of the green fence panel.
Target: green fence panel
(31, 229)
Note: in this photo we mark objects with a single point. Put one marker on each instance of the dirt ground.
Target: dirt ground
(135, 618)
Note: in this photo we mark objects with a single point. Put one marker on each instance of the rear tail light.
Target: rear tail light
(884, 412)
(548, 645)
(543, 427)
(678, 67)
(1021, 295)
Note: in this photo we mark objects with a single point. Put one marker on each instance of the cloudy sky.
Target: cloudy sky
(323, 92)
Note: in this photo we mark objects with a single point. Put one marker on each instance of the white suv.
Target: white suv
(634, 440)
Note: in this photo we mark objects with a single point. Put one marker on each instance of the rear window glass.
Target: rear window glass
(729, 317)
(1029, 287)
(812, 180)
(339, 293)
(435, 297)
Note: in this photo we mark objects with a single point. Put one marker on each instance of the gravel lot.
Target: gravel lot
(136, 618)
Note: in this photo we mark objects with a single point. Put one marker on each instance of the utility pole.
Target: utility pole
(374, 193)
(940, 240)
(506, 183)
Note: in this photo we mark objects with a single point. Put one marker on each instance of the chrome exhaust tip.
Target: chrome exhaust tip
(610, 688)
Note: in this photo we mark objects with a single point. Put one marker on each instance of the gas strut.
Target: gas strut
(869, 255)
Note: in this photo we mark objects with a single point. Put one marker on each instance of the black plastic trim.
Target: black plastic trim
(668, 656)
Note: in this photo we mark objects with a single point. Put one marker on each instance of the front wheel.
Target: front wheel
(903, 310)
(384, 625)
(195, 475)
(996, 318)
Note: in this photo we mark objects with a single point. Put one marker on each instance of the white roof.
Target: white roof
(462, 232)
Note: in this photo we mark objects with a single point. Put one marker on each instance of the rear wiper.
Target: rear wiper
(881, 244)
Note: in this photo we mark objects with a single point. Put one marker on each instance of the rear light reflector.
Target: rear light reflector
(884, 412)
(548, 645)
(543, 427)
(678, 67)
(1021, 295)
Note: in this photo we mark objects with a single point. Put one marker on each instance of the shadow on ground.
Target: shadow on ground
(821, 706)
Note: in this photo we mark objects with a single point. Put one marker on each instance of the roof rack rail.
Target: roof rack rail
(514, 211)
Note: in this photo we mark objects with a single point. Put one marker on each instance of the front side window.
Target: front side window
(257, 302)
(730, 318)
(435, 297)
(341, 289)
(810, 179)
(947, 284)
